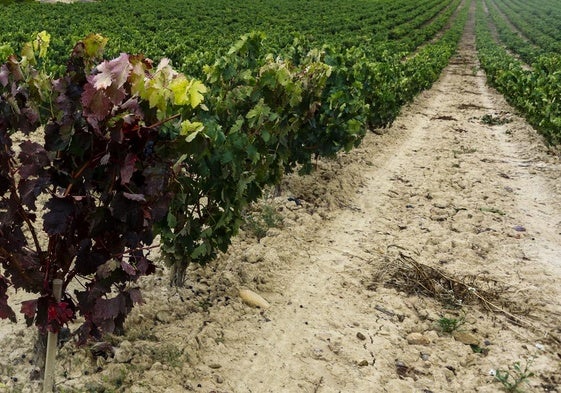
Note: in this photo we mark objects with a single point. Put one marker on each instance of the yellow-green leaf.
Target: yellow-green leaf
(191, 129)
(95, 45)
(41, 43)
(196, 90)
(27, 52)
(178, 87)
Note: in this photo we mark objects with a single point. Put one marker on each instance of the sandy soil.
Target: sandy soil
(441, 194)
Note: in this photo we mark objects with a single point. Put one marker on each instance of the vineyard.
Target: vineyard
(173, 166)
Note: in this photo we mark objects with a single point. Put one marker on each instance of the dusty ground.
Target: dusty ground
(440, 189)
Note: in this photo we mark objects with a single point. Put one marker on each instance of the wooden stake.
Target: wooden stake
(52, 339)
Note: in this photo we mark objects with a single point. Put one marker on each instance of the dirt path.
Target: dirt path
(479, 202)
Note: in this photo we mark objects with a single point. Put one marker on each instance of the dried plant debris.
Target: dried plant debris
(402, 271)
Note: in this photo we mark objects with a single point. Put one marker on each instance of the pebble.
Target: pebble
(417, 339)
(252, 299)
(124, 353)
(466, 338)
(363, 363)
(215, 366)
(163, 316)
(360, 336)
(219, 378)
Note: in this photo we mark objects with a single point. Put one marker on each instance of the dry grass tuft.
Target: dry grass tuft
(402, 271)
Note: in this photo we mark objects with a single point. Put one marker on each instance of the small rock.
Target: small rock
(115, 374)
(449, 375)
(335, 347)
(124, 353)
(425, 356)
(252, 299)
(466, 338)
(318, 354)
(219, 378)
(363, 363)
(163, 316)
(103, 349)
(417, 339)
(215, 366)
(360, 336)
(141, 362)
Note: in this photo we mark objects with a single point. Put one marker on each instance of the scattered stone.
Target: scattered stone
(363, 363)
(519, 228)
(219, 378)
(360, 336)
(124, 353)
(215, 366)
(425, 356)
(252, 299)
(115, 374)
(103, 349)
(417, 339)
(141, 362)
(163, 316)
(335, 347)
(318, 354)
(466, 338)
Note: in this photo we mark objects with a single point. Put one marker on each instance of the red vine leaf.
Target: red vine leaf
(113, 73)
(59, 216)
(136, 296)
(5, 310)
(29, 309)
(128, 268)
(97, 106)
(128, 168)
(58, 315)
(134, 197)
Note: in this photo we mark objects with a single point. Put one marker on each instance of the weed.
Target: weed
(168, 354)
(495, 120)
(204, 304)
(450, 325)
(261, 221)
(515, 376)
(136, 333)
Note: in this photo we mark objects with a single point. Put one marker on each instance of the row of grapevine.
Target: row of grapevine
(191, 33)
(527, 51)
(541, 25)
(535, 92)
(131, 149)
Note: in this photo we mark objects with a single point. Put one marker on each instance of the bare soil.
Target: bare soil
(442, 219)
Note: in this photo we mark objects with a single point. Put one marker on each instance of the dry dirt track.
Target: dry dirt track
(440, 186)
